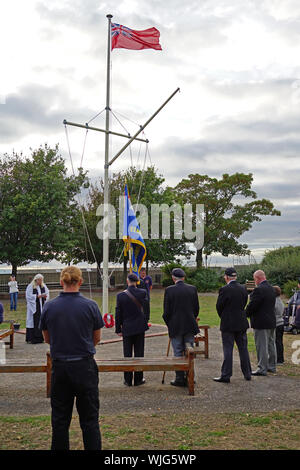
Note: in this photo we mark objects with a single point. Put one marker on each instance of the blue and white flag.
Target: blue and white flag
(132, 237)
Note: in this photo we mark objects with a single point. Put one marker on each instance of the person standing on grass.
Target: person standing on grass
(37, 293)
(234, 324)
(279, 310)
(72, 324)
(13, 292)
(181, 308)
(261, 310)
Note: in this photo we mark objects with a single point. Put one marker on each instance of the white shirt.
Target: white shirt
(13, 287)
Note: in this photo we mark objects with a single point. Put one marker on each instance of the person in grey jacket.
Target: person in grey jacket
(279, 309)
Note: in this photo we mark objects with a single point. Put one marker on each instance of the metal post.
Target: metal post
(105, 281)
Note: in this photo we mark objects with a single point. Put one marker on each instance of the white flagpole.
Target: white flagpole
(105, 281)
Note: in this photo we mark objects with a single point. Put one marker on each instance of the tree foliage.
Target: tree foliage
(37, 207)
(227, 217)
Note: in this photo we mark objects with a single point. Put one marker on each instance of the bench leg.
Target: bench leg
(11, 340)
(191, 374)
(206, 343)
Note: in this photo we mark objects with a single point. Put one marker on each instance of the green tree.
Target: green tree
(37, 207)
(226, 218)
(145, 187)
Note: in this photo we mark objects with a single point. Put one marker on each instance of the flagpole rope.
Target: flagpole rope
(80, 206)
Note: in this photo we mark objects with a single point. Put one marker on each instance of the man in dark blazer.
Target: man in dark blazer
(234, 324)
(261, 310)
(132, 315)
(181, 308)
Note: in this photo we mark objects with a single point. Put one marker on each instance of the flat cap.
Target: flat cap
(230, 272)
(132, 277)
(178, 272)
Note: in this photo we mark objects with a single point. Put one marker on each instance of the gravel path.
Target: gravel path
(25, 394)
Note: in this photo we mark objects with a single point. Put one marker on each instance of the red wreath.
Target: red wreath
(109, 320)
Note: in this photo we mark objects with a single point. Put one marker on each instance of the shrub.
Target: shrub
(282, 265)
(206, 279)
(289, 288)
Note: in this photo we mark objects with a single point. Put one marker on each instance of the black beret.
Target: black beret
(230, 272)
(132, 277)
(178, 272)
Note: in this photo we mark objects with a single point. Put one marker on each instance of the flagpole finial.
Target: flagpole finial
(109, 16)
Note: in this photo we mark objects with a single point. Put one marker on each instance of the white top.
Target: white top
(13, 287)
(31, 303)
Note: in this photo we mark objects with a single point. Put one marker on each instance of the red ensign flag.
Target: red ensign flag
(127, 38)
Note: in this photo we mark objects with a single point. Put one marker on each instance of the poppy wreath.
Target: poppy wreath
(108, 320)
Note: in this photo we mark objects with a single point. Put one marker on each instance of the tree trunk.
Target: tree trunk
(147, 266)
(14, 269)
(199, 258)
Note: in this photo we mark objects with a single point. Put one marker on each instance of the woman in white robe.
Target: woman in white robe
(37, 293)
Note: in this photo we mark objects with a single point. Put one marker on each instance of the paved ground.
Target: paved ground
(25, 394)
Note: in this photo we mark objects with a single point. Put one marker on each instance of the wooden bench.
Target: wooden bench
(202, 337)
(114, 365)
(250, 286)
(8, 332)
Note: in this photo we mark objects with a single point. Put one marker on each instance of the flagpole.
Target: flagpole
(105, 281)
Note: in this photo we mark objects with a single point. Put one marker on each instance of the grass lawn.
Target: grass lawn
(222, 431)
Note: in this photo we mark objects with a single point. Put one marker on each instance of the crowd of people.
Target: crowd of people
(72, 324)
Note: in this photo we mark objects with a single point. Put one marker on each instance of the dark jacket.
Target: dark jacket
(181, 308)
(130, 320)
(261, 308)
(230, 307)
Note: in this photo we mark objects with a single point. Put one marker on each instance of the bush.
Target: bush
(206, 279)
(289, 288)
(245, 273)
(282, 265)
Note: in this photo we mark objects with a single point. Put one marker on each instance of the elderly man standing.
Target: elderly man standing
(234, 324)
(263, 321)
(181, 308)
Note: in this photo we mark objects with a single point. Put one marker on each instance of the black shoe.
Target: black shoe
(176, 383)
(257, 373)
(127, 384)
(247, 378)
(221, 379)
(141, 382)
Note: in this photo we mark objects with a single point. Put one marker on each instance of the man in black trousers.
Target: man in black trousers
(181, 308)
(72, 324)
(132, 315)
(234, 324)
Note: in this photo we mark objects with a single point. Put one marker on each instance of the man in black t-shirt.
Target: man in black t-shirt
(71, 324)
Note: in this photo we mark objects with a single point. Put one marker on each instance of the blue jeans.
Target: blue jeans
(13, 300)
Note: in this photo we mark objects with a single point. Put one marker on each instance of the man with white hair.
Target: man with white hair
(261, 310)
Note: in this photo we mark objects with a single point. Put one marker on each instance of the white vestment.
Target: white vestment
(31, 303)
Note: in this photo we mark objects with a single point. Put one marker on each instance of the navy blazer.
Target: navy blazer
(181, 308)
(230, 307)
(130, 320)
(261, 308)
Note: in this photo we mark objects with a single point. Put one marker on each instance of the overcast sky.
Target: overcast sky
(236, 62)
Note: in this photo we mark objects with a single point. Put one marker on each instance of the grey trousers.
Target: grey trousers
(266, 350)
